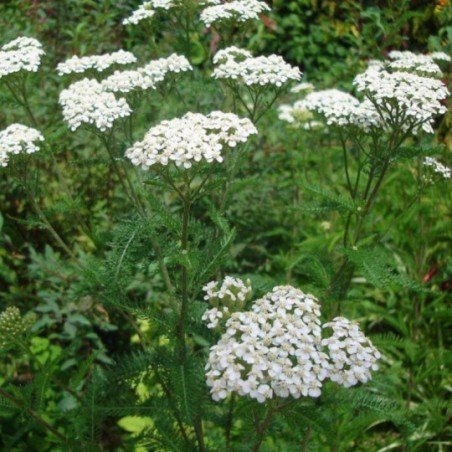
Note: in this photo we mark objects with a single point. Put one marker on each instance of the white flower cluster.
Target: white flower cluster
(402, 98)
(336, 106)
(192, 138)
(146, 77)
(440, 56)
(147, 10)
(232, 296)
(99, 63)
(86, 101)
(271, 70)
(352, 354)
(303, 88)
(276, 350)
(409, 61)
(231, 53)
(16, 139)
(298, 116)
(238, 10)
(272, 350)
(21, 54)
(438, 167)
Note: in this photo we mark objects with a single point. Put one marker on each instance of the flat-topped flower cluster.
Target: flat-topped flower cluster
(395, 96)
(276, 349)
(147, 76)
(17, 139)
(86, 101)
(412, 62)
(21, 54)
(89, 101)
(238, 11)
(214, 10)
(148, 9)
(438, 168)
(235, 64)
(99, 63)
(405, 99)
(192, 138)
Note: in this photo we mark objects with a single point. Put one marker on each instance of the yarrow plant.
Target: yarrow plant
(231, 297)
(87, 102)
(437, 167)
(238, 65)
(14, 326)
(192, 138)
(148, 76)
(21, 54)
(276, 350)
(17, 139)
(98, 63)
(237, 11)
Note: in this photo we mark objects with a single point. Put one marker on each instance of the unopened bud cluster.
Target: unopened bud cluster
(276, 349)
(13, 325)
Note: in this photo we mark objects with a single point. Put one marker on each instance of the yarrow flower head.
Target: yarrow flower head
(98, 63)
(336, 107)
(192, 138)
(303, 88)
(437, 167)
(297, 115)
(21, 54)
(402, 97)
(276, 349)
(146, 77)
(149, 8)
(352, 354)
(231, 297)
(260, 71)
(440, 56)
(237, 11)
(272, 350)
(17, 139)
(13, 325)
(86, 101)
(411, 62)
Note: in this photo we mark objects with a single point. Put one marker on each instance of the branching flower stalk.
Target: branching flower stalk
(18, 88)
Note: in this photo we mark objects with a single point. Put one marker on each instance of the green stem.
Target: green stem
(50, 228)
(33, 414)
(173, 405)
(229, 422)
(262, 427)
(184, 272)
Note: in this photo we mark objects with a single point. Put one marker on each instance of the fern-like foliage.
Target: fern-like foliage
(379, 268)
